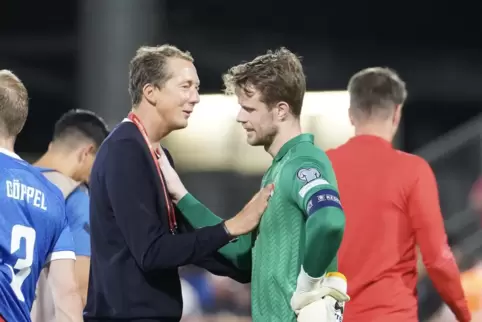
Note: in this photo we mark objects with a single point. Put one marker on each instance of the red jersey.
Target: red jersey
(391, 204)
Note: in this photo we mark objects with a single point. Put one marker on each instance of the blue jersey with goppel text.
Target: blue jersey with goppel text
(33, 231)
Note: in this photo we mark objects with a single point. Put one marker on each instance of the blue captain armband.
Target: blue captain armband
(322, 199)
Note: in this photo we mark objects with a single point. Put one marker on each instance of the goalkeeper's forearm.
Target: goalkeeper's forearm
(198, 216)
(324, 232)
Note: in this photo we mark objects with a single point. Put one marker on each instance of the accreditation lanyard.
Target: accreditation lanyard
(155, 156)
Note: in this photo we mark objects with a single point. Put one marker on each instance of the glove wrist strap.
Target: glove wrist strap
(307, 283)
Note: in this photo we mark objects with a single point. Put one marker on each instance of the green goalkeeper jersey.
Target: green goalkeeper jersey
(304, 184)
(279, 243)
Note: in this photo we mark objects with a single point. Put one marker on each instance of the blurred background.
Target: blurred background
(75, 54)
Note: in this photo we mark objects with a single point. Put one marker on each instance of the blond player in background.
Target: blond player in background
(34, 233)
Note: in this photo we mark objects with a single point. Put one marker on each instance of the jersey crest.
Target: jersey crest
(308, 174)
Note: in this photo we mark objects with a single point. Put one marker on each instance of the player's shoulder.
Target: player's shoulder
(307, 162)
(79, 195)
(306, 150)
(66, 184)
(412, 161)
(307, 154)
(123, 131)
(397, 158)
(332, 151)
(52, 190)
(342, 150)
(122, 145)
(26, 172)
(124, 138)
(12, 162)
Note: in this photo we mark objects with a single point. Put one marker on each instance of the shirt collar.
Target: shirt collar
(305, 137)
(10, 153)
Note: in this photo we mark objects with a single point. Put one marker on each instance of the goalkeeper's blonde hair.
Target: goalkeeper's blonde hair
(278, 76)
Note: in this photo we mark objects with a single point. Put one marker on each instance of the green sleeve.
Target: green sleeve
(314, 189)
(198, 216)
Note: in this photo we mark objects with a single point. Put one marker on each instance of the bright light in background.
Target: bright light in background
(326, 103)
(214, 141)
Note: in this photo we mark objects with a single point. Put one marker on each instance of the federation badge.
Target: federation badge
(308, 174)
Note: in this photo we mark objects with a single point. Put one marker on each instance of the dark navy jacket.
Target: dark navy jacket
(135, 259)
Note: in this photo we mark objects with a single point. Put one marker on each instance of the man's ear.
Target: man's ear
(351, 116)
(397, 115)
(149, 91)
(85, 151)
(282, 110)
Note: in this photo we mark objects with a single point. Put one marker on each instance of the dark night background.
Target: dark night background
(436, 48)
(75, 54)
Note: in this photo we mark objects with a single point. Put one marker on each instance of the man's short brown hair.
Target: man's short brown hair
(13, 104)
(278, 76)
(376, 91)
(149, 66)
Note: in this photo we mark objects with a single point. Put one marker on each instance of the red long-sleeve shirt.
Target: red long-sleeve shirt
(391, 205)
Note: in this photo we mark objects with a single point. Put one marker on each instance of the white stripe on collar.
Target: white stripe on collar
(10, 153)
(126, 120)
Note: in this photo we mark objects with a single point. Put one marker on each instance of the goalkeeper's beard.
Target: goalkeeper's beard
(254, 138)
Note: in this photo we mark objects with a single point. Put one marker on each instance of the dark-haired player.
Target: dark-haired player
(67, 163)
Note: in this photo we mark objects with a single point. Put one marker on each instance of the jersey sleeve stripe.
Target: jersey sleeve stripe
(307, 187)
(321, 199)
(66, 254)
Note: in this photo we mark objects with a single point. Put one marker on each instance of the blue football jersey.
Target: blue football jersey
(33, 231)
(76, 197)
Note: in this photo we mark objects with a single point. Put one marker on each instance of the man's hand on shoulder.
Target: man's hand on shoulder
(174, 184)
(249, 217)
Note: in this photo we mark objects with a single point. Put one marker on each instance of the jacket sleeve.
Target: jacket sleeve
(133, 197)
(197, 215)
(216, 263)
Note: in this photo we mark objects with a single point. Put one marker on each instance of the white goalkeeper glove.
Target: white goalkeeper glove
(326, 309)
(330, 290)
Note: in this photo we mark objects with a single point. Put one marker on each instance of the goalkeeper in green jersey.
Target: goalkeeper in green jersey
(293, 253)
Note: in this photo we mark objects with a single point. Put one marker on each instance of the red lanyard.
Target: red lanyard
(155, 156)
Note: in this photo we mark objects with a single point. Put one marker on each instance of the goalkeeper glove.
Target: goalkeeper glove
(331, 287)
(323, 310)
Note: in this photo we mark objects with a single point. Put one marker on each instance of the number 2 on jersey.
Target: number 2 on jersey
(23, 265)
